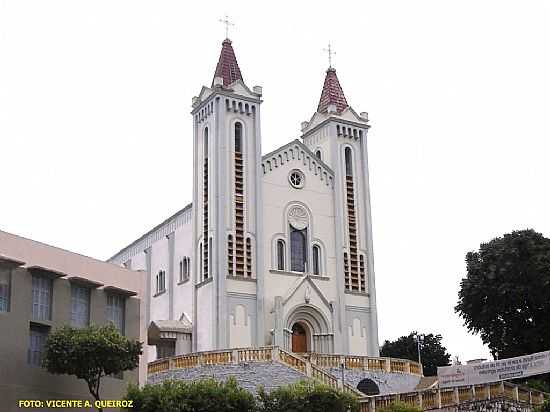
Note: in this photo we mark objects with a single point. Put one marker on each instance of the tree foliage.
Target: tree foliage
(209, 395)
(201, 395)
(307, 396)
(433, 353)
(90, 354)
(505, 296)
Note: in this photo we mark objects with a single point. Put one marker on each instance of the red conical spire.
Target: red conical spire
(332, 93)
(227, 67)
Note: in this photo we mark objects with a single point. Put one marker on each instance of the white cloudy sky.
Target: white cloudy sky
(95, 131)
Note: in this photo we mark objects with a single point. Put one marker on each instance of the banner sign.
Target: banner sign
(494, 371)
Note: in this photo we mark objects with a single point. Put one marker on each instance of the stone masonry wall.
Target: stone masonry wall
(388, 383)
(493, 405)
(249, 375)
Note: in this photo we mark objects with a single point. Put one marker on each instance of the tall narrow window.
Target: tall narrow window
(5, 285)
(316, 260)
(206, 143)
(298, 249)
(200, 264)
(42, 290)
(80, 306)
(280, 255)
(116, 308)
(161, 281)
(318, 154)
(349, 165)
(238, 137)
(353, 276)
(205, 267)
(241, 259)
(209, 255)
(37, 338)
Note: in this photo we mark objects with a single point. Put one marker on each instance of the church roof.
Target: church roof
(227, 68)
(332, 93)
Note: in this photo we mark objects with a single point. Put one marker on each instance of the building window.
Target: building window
(161, 282)
(206, 143)
(116, 305)
(184, 269)
(166, 348)
(349, 166)
(200, 264)
(37, 339)
(80, 306)
(296, 179)
(238, 137)
(316, 260)
(280, 255)
(5, 286)
(298, 249)
(318, 154)
(42, 290)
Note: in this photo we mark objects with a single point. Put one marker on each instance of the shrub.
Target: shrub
(207, 395)
(400, 407)
(306, 396)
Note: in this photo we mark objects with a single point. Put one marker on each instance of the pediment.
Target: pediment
(292, 152)
(306, 291)
(238, 87)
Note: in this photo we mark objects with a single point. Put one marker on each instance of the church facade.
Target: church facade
(275, 249)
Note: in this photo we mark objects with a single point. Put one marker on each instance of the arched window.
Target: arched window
(318, 154)
(280, 255)
(298, 249)
(349, 164)
(316, 260)
(238, 137)
(206, 142)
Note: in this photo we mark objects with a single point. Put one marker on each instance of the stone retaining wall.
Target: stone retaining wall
(388, 383)
(249, 375)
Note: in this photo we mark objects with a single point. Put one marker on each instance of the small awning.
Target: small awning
(85, 282)
(167, 329)
(119, 291)
(44, 271)
(9, 261)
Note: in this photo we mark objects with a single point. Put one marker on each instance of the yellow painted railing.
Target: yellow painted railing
(366, 363)
(449, 397)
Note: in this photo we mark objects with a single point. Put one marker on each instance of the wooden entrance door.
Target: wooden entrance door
(299, 339)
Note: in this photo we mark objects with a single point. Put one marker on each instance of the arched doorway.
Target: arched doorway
(299, 339)
(368, 387)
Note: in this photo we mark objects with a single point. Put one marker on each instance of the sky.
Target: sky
(96, 131)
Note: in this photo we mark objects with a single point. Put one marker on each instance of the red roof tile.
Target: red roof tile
(227, 67)
(332, 93)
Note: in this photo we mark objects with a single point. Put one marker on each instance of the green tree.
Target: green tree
(307, 396)
(90, 354)
(433, 353)
(505, 297)
(205, 395)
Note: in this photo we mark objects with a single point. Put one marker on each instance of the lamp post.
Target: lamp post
(419, 341)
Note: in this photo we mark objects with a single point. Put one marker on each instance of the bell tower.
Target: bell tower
(226, 192)
(338, 136)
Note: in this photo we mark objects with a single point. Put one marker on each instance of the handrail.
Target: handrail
(367, 363)
(449, 397)
(265, 353)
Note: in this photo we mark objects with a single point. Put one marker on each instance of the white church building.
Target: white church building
(275, 249)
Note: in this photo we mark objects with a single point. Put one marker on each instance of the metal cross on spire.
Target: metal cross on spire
(227, 23)
(330, 53)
